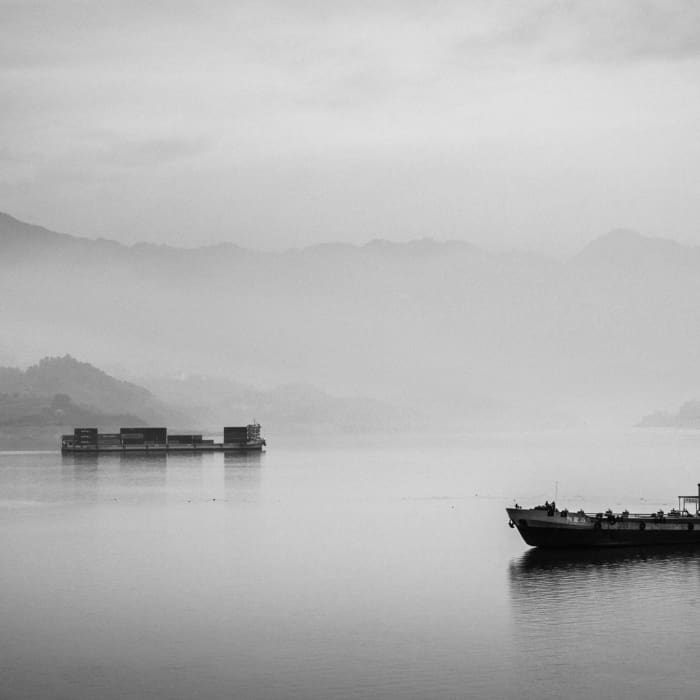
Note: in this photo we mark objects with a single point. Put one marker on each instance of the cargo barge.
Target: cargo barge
(245, 438)
(548, 527)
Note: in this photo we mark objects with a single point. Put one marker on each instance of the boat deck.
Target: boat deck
(553, 528)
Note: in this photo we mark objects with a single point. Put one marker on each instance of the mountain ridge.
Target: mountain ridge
(617, 247)
(631, 247)
(387, 321)
(63, 391)
(79, 388)
(611, 240)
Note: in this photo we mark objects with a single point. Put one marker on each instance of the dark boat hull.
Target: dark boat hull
(556, 532)
(164, 449)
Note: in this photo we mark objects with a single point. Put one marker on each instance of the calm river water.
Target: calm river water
(383, 570)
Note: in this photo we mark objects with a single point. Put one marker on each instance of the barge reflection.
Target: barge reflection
(582, 587)
(535, 561)
(242, 475)
(619, 613)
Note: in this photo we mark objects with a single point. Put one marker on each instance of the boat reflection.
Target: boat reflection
(242, 459)
(147, 459)
(617, 612)
(106, 459)
(80, 469)
(535, 561)
(583, 586)
(242, 475)
(145, 471)
(80, 460)
(157, 476)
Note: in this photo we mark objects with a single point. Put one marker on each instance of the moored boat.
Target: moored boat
(246, 438)
(548, 527)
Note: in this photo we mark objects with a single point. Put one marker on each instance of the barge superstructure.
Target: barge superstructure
(246, 438)
(550, 528)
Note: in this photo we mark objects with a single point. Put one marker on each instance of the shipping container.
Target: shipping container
(235, 434)
(184, 439)
(149, 435)
(85, 436)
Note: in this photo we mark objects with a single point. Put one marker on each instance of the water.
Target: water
(382, 570)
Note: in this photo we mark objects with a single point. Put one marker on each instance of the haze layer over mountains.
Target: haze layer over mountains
(451, 332)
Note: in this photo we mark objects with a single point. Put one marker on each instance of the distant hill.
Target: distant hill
(440, 329)
(20, 236)
(58, 410)
(286, 409)
(624, 247)
(64, 391)
(687, 416)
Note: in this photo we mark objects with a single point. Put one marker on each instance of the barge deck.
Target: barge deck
(550, 528)
(157, 440)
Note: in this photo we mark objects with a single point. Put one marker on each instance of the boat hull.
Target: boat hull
(574, 531)
(162, 449)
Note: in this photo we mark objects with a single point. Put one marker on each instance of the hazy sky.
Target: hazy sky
(284, 123)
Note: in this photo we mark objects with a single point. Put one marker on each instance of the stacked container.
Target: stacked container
(235, 435)
(109, 440)
(85, 437)
(144, 436)
(184, 439)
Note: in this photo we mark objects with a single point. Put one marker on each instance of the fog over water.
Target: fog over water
(319, 571)
(447, 254)
(443, 334)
